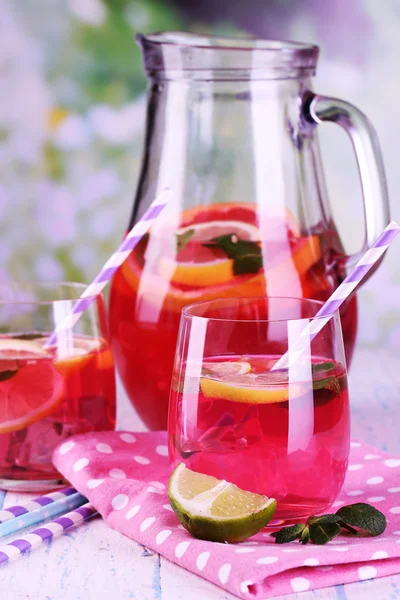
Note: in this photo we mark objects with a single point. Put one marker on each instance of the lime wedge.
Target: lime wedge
(215, 510)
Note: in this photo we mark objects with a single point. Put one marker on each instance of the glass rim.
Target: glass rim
(310, 301)
(222, 42)
(174, 55)
(28, 286)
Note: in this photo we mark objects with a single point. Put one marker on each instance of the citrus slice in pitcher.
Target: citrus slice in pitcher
(30, 386)
(197, 265)
(215, 510)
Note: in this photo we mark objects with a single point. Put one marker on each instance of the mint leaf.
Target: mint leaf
(323, 519)
(288, 534)
(321, 533)
(4, 375)
(324, 528)
(183, 238)
(363, 516)
(233, 246)
(331, 382)
(324, 366)
(305, 535)
(249, 263)
(246, 255)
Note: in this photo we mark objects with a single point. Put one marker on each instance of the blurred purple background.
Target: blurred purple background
(72, 120)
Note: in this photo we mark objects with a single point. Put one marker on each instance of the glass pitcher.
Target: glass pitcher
(232, 131)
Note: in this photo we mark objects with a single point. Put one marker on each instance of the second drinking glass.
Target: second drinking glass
(283, 433)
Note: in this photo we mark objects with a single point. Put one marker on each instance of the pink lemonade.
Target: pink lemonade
(238, 420)
(46, 396)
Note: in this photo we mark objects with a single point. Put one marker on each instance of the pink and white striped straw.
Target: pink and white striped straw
(115, 261)
(344, 290)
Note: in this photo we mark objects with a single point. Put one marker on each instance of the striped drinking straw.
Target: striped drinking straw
(47, 532)
(115, 261)
(343, 291)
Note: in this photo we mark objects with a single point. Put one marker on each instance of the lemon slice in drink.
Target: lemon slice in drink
(250, 388)
(217, 369)
(215, 510)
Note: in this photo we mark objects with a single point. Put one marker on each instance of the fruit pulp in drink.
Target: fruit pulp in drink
(244, 423)
(46, 396)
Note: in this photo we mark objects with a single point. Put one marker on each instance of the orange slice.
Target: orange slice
(249, 388)
(81, 352)
(200, 276)
(204, 267)
(152, 288)
(30, 389)
(105, 359)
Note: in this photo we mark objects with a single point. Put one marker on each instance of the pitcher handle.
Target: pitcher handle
(369, 161)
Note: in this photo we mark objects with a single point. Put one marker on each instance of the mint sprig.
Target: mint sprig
(323, 529)
(246, 255)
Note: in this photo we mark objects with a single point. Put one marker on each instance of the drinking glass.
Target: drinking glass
(283, 433)
(49, 392)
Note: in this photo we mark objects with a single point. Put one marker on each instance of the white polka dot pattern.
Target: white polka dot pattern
(162, 536)
(132, 512)
(162, 450)
(142, 460)
(181, 549)
(375, 480)
(104, 448)
(129, 438)
(224, 572)
(379, 554)
(94, 483)
(147, 523)
(119, 501)
(126, 475)
(202, 560)
(367, 572)
(267, 560)
(80, 464)
(392, 462)
(66, 447)
(300, 584)
(117, 474)
(244, 586)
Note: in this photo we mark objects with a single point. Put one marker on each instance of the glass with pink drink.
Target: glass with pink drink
(280, 432)
(49, 392)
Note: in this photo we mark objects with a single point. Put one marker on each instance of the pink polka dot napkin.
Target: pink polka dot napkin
(125, 476)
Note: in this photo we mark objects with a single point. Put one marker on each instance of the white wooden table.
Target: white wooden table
(96, 563)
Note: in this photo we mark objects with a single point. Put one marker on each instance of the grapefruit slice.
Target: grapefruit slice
(197, 265)
(32, 388)
(199, 276)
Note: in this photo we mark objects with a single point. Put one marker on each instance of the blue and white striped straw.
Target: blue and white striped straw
(339, 296)
(115, 261)
(36, 511)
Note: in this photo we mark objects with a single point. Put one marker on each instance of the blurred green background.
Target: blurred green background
(72, 122)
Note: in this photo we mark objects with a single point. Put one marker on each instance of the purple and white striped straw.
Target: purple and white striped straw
(47, 532)
(344, 290)
(6, 514)
(115, 261)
